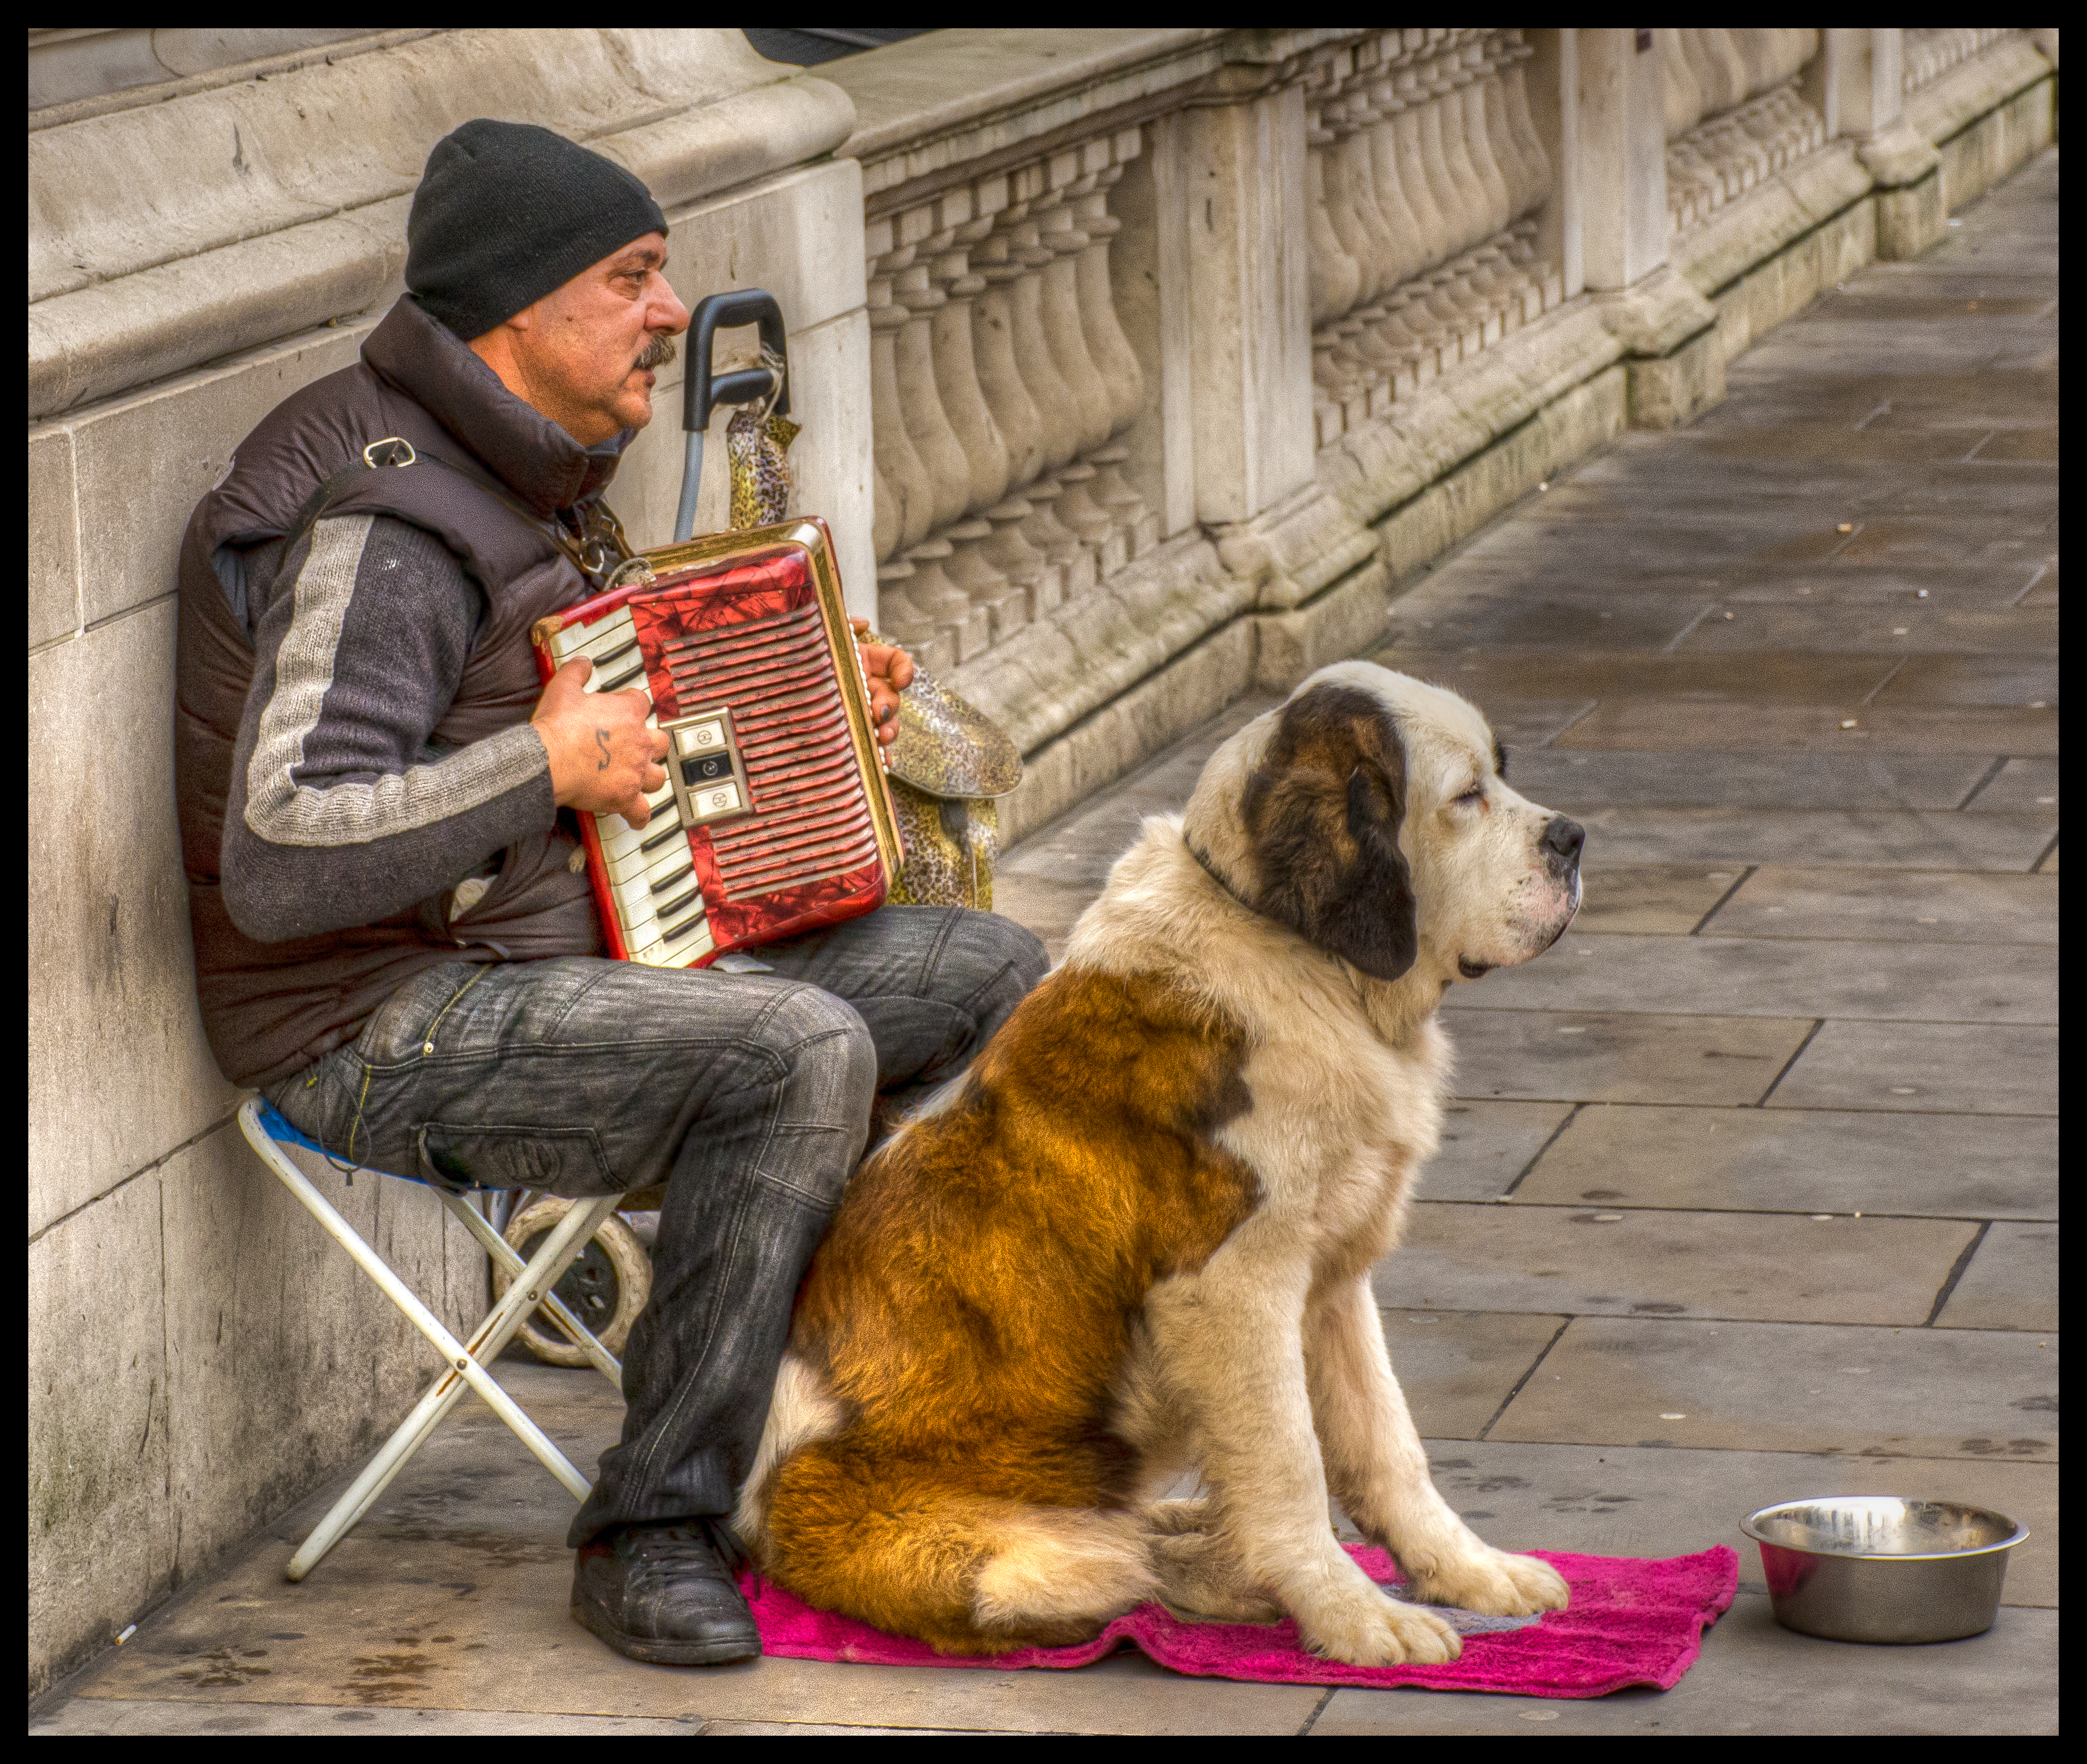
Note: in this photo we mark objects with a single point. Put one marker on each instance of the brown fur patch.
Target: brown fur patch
(973, 1304)
(1323, 810)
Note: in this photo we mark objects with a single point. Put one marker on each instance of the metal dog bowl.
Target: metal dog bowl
(1873, 1568)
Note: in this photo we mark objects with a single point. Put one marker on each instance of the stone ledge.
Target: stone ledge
(1974, 89)
(1423, 439)
(1769, 217)
(293, 191)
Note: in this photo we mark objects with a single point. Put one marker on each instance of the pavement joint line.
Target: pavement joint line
(1476, 1009)
(2041, 570)
(1957, 1272)
(1572, 1115)
(1745, 871)
(1882, 410)
(1747, 1212)
(1318, 1709)
(2044, 857)
(1897, 667)
(1543, 1354)
(1981, 441)
(1817, 1024)
(1991, 772)
(1681, 635)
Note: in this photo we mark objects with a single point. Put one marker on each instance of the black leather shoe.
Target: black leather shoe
(666, 1594)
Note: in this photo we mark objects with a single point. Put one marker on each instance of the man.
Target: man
(395, 936)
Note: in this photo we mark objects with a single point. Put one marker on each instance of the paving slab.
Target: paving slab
(2019, 786)
(1048, 906)
(2011, 1283)
(1872, 838)
(1755, 1677)
(1649, 899)
(1603, 1260)
(1660, 1500)
(1907, 1392)
(2013, 983)
(1789, 900)
(359, 1633)
(108, 1716)
(1823, 726)
(1456, 1367)
(1571, 780)
(1801, 1161)
(1679, 682)
(1906, 627)
(1978, 1068)
(1486, 1145)
(1620, 1057)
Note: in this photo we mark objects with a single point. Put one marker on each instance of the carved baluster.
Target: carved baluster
(1055, 400)
(963, 399)
(1684, 98)
(1061, 312)
(926, 421)
(1334, 277)
(993, 336)
(1479, 144)
(1058, 432)
(1116, 360)
(912, 486)
(1470, 213)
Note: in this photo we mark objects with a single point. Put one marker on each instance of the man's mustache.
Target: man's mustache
(658, 352)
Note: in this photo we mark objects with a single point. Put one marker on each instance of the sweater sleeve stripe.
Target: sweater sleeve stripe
(284, 812)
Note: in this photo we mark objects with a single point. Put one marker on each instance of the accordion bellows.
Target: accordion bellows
(775, 820)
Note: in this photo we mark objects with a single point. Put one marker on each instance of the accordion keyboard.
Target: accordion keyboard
(651, 875)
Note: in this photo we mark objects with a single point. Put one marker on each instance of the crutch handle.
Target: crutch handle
(701, 391)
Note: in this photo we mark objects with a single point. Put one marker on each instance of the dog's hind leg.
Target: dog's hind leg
(916, 1552)
(1057, 1574)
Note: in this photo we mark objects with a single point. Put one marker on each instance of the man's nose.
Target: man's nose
(1561, 842)
(667, 314)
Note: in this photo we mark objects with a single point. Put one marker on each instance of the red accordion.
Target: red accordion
(774, 818)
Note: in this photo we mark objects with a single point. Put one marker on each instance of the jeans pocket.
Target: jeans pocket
(567, 1161)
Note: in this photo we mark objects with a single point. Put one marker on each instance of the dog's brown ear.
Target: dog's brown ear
(1323, 810)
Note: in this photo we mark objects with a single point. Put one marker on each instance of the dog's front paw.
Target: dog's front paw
(1361, 1626)
(1493, 1583)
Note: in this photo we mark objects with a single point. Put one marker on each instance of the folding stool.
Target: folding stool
(267, 1132)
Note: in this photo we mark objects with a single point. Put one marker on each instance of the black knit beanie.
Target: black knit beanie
(505, 212)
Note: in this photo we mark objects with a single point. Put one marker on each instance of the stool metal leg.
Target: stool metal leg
(506, 1254)
(566, 1239)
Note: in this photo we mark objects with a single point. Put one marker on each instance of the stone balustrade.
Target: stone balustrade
(1735, 114)
(1425, 171)
(1000, 382)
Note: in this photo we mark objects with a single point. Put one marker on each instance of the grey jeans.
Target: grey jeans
(748, 1094)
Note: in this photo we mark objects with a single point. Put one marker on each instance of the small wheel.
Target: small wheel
(605, 1288)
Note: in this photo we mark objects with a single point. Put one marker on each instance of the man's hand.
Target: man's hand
(890, 671)
(603, 758)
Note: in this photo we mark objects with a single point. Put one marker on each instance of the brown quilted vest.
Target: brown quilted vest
(270, 1008)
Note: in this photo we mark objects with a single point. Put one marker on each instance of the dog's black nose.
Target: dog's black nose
(1561, 842)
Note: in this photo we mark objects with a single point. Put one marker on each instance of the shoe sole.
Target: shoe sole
(652, 1651)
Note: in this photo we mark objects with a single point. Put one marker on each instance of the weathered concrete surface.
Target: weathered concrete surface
(1680, 1368)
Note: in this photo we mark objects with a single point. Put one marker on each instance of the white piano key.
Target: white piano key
(639, 862)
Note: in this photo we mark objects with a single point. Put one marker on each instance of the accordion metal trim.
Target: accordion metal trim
(656, 597)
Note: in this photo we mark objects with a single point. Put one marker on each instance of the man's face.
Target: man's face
(585, 353)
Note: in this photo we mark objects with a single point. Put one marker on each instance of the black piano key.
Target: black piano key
(623, 680)
(658, 839)
(679, 875)
(682, 929)
(693, 897)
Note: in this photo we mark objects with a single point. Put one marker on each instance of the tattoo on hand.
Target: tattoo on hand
(601, 740)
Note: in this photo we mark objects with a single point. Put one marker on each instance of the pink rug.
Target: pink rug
(1630, 1622)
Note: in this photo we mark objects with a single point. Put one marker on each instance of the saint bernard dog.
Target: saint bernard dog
(1135, 1237)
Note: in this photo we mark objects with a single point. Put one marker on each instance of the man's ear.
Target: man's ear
(1323, 812)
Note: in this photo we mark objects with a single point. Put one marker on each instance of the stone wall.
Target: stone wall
(1138, 367)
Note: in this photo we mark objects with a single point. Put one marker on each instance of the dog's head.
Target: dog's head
(1371, 814)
